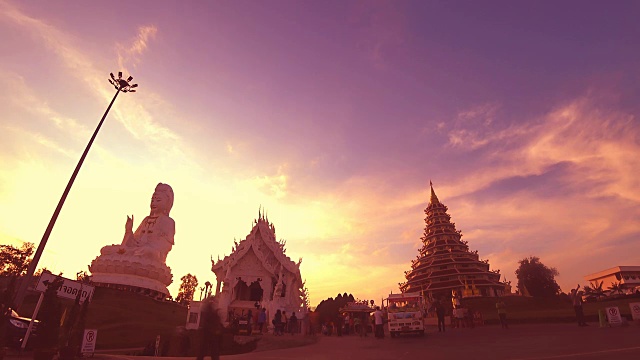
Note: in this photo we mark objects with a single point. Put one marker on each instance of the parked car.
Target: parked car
(16, 328)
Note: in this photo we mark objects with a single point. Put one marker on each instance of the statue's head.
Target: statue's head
(162, 199)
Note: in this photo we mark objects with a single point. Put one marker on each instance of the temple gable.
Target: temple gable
(258, 273)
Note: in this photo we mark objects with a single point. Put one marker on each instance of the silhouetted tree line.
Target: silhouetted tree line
(327, 310)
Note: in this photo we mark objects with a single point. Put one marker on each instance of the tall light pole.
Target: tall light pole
(121, 85)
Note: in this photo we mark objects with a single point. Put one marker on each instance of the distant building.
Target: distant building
(257, 274)
(445, 266)
(627, 276)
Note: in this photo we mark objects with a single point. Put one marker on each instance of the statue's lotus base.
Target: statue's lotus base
(131, 274)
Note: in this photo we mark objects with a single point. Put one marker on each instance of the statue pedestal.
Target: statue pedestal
(132, 273)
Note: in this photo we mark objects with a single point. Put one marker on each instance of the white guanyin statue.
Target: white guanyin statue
(140, 261)
(154, 237)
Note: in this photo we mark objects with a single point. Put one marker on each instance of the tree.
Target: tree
(187, 289)
(304, 295)
(538, 279)
(14, 261)
(83, 277)
(328, 310)
(616, 287)
(596, 290)
(588, 293)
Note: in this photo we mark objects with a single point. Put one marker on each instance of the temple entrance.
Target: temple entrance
(242, 291)
(255, 291)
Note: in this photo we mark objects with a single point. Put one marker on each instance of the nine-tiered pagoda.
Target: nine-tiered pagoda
(446, 267)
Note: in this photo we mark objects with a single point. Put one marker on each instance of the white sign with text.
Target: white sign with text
(89, 341)
(68, 289)
(635, 310)
(613, 315)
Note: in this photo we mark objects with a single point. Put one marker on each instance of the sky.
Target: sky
(333, 116)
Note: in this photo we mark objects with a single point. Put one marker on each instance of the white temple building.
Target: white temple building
(258, 274)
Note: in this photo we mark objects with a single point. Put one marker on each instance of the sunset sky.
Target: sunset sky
(333, 116)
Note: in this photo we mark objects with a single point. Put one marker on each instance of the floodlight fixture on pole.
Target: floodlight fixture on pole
(121, 85)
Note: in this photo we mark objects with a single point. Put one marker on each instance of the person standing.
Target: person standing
(440, 314)
(210, 331)
(378, 317)
(305, 329)
(314, 322)
(366, 323)
(285, 322)
(576, 299)
(249, 322)
(357, 321)
(460, 316)
(339, 324)
(262, 318)
(502, 313)
(293, 323)
(277, 323)
(469, 317)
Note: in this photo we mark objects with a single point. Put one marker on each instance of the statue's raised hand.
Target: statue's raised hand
(128, 226)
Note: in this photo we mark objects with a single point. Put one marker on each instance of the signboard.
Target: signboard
(613, 315)
(635, 310)
(69, 288)
(89, 341)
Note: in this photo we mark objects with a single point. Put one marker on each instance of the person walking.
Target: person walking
(379, 322)
(576, 299)
(502, 313)
(210, 331)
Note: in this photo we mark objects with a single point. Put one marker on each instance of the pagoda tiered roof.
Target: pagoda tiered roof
(445, 263)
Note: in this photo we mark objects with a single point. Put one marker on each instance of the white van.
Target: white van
(405, 314)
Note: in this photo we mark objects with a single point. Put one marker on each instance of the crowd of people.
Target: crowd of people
(350, 323)
(359, 323)
(256, 322)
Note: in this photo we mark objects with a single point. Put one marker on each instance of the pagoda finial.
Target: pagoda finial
(434, 198)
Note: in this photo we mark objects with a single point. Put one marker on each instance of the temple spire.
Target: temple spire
(434, 198)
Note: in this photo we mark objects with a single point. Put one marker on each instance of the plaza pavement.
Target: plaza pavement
(519, 342)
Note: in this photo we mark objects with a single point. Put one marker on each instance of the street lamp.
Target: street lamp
(121, 85)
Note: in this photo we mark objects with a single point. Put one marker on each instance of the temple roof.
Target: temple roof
(434, 198)
(444, 255)
(262, 240)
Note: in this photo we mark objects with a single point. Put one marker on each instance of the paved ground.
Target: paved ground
(520, 342)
